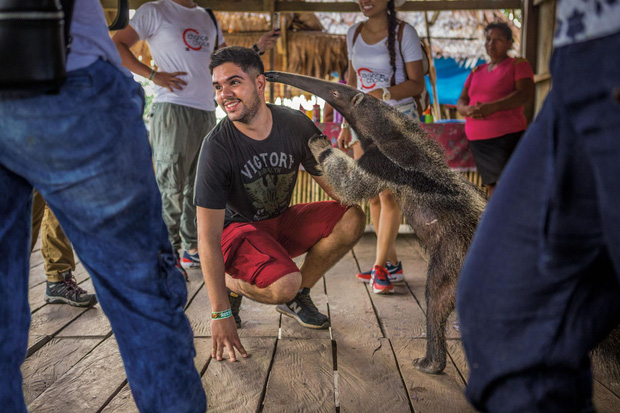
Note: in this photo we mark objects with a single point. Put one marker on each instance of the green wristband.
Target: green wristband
(220, 315)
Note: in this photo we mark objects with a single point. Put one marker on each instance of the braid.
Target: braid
(391, 36)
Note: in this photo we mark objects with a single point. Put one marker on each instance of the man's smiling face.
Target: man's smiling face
(237, 92)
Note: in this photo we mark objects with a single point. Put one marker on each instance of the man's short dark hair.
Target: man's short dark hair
(247, 59)
(502, 27)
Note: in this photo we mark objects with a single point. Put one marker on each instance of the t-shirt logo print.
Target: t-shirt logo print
(369, 79)
(270, 194)
(194, 40)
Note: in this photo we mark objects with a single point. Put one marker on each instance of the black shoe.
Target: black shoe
(235, 305)
(302, 309)
(68, 292)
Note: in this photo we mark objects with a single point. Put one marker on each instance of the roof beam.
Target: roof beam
(296, 6)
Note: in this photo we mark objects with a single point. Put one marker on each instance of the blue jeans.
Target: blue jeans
(540, 285)
(86, 151)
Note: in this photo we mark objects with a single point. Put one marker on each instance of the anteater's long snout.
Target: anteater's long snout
(312, 85)
(272, 76)
(340, 96)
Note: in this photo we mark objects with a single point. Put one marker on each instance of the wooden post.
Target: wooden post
(529, 40)
(284, 42)
(270, 5)
(432, 74)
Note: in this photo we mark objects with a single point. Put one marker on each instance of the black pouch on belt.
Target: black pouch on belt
(34, 41)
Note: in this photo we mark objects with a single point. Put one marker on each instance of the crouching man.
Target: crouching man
(247, 233)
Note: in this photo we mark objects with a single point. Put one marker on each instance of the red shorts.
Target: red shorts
(260, 252)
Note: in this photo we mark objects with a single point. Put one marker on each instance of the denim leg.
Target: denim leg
(86, 151)
(537, 290)
(504, 248)
(15, 210)
(594, 114)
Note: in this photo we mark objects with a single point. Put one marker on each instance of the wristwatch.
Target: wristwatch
(386, 94)
(257, 50)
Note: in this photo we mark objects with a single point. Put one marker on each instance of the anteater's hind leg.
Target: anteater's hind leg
(440, 301)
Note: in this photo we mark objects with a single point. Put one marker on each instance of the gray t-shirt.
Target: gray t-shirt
(254, 180)
(91, 39)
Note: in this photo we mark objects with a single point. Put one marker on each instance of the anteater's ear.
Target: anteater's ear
(357, 99)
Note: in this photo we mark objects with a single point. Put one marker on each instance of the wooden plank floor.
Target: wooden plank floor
(362, 364)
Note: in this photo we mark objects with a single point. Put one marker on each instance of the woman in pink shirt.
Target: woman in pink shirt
(492, 102)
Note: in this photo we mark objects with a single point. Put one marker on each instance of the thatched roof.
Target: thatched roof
(309, 49)
(455, 34)
(314, 43)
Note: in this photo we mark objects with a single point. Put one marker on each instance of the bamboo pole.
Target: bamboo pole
(432, 73)
(283, 42)
(270, 5)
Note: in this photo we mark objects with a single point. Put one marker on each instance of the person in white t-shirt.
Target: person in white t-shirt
(181, 37)
(390, 69)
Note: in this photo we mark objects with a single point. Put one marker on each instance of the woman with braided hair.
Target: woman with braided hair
(385, 61)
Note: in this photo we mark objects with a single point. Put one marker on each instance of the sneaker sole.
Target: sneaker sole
(396, 278)
(296, 317)
(393, 279)
(190, 264)
(63, 300)
(387, 290)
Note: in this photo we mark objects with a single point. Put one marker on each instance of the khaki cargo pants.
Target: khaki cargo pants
(55, 247)
(177, 133)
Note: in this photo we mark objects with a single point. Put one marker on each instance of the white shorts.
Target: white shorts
(408, 108)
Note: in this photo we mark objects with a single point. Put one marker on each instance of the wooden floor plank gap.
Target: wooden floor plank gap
(107, 336)
(37, 346)
(112, 396)
(415, 297)
(606, 386)
(194, 296)
(261, 399)
(329, 315)
(357, 263)
(36, 265)
(336, 386)
(402, 378)
(88, 337)
(204, 369)
(324, 285)
(456, 366)
(36, 285)
(374, 309)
